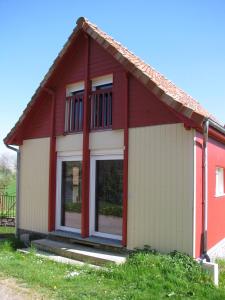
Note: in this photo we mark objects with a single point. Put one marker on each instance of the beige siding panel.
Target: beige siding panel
(34, 179)
(161, 188)
(104, 140)
(71, 142)
(100, 140)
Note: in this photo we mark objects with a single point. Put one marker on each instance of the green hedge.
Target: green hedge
(106, 208)
(73, 207)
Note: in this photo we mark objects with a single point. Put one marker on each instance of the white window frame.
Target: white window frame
(74, 87)
(94, 158)
(101, 80)
(60, 159)
(71, 88)
(220, 186)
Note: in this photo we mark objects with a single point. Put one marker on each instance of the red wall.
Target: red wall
(145, 109)
(216, 205)
(37, 123)
(72, 70)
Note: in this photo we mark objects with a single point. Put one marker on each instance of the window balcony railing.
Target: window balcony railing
(74, 113)
(101, 111)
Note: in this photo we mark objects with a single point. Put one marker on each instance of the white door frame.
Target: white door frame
(94, 158)
(60, 159)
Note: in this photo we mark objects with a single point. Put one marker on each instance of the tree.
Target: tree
(7, 170)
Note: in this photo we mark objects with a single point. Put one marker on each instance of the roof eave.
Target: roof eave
(84, 25)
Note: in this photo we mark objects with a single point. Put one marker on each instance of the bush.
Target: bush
(106, 208)
(11, 243)
(73, 207)
(111, 210)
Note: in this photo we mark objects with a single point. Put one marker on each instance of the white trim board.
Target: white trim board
(107, 152)
(74, 87)
(218, 250)
(61, 154)
(101, 80)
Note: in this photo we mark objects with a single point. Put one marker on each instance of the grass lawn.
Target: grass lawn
(6, 229)
(11, 187)
(144, 276)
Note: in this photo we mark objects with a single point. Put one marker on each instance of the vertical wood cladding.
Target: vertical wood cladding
(144, 109)
(37, 123)
(72, 70)
(34, 187)
(161, 188)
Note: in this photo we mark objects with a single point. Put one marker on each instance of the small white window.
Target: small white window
(219, 181)
(74, 87)
(101, 81)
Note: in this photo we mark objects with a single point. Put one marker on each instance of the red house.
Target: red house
(111, 149)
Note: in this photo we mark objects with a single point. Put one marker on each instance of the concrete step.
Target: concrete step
(95, 242)
(56, 258)
(79, 252)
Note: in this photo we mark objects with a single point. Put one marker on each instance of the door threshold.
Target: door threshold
(93, 241)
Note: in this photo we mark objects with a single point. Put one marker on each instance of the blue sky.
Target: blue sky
(184, 40)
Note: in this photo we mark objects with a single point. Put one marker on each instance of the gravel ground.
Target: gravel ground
(10, 289)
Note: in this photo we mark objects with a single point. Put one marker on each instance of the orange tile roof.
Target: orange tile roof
(163, 88)
(146, 70)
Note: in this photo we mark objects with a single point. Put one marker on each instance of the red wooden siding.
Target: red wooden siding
(216, 205)
(37, 124)
(72, 70)
(119, 94)
(86, 151)
(144, 108)
(101, 62)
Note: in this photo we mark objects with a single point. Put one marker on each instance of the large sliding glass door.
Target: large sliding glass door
(69, 194)
(106, 196)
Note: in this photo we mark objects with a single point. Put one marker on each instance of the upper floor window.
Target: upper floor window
(100, 105)
(219, 181)
(74, 107)
(101, 102)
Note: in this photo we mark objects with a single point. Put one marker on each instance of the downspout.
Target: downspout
(205, 189)
(17, 186)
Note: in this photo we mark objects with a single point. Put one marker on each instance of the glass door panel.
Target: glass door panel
(71, 194)
(108, 196)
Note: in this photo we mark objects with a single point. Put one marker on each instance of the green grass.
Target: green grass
(11, 187)
(6, 229)
(9, 182)
(144, 276)
(221, 273)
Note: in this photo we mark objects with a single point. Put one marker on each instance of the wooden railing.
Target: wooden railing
(74, 113)
(101, 111)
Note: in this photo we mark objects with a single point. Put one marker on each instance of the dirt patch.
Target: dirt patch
(10, 289)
